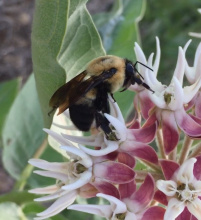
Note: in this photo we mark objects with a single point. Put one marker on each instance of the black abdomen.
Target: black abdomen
(82, 116)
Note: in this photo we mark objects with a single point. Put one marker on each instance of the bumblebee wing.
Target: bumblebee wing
(61, 97)
(93, 81)
(72, 91)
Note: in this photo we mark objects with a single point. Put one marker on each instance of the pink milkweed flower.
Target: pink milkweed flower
(133, 142)
(169, 102)
(73, 176)
(182, 188)
(133, 205)
(142, 101)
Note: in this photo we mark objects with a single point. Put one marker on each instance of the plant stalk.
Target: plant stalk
(185, 149)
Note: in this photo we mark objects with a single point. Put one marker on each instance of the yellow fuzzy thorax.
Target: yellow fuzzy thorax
(105, 63)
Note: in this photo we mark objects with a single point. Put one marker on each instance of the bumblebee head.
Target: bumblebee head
(132, 75)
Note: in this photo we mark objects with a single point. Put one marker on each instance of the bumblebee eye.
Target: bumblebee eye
(113, 71)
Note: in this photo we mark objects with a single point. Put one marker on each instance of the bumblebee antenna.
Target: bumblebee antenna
(142, 65)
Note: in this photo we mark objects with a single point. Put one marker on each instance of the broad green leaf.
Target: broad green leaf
(64, 40)
(126, 32)
(22, 134)
(49, 27)
(10, 211)
(19, 197)
(106, 22)
(8, 91)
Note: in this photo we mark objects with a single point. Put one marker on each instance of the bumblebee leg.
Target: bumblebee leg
(140, 82)
(103, 123)
(112, 97)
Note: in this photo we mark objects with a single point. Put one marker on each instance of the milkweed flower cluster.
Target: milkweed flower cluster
(137, 180)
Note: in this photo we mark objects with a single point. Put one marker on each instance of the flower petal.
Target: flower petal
(130, 215)
(52, 196)
(157, 98)
(178, 97)
(191, 91)
(174, 209)
(114, 172)
(195, 208)
(84, 159)
(117, 205)
(169, 167)
(100, 210)
(194, 34)
(144, 134)
(119, 126)
(154, 213)
(51, 166)
(126, 190)
(105, 187)
(57, 137)
(116, 109)
(179, 70)
(143, 196)
(111, 146)
(185, 215)
(160, 197)
(83, 179)
(88, 191)
(127, 159)
(187, 124)
(185, 172)
(197, 168)
(168, 187)
(145, 104)
(45, 190)
(170, 131)
(56, 175)
(93, 140)
(140, 150)
(59, 205)
(140, 57)
(158, 56)
(198, 105)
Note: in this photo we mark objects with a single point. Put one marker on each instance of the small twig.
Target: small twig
(173, 155)
(196, 151)
(159, 143)
(185, 149)
(141, 175)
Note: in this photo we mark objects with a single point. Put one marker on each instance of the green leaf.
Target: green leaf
(22, 134)
(10, 211)
(19, 197)
(126, 32)
(8, 91)
(64, 40)
(106, 22)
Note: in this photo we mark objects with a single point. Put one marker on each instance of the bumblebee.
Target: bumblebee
(86, 95)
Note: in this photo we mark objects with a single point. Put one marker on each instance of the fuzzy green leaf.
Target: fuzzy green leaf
(10, 211)
(22, 134)
(8, 91)
(64, 40)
